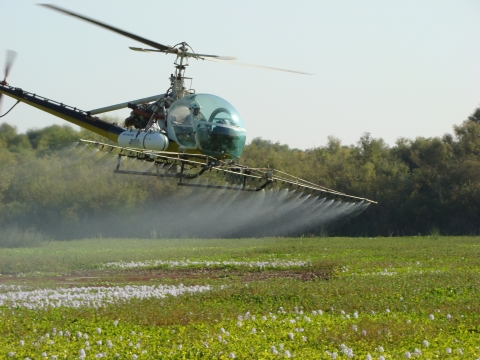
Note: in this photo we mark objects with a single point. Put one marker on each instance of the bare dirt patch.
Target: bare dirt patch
(117, 277)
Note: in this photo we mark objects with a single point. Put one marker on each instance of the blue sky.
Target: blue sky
(391, 68)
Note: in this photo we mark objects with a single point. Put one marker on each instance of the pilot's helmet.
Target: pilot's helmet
(195, 109)
(195, 105)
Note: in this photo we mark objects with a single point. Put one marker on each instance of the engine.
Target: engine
(142, 113)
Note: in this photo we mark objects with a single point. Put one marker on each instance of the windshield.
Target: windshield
(217, 129)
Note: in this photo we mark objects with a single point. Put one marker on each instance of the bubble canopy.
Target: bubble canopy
(217, 129)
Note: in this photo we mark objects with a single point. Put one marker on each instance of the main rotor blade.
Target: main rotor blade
(256, 66)
(111, 28)
(145, 50)
(187, 54)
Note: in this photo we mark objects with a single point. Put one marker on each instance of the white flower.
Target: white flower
(355, 316)
(304, 338)
(314, 312)
(98, 330)
(115, 323)
(231, 355)
(425, 343)
(254, 331)
(239, 323)
(449, 351)
(82, 352)
(380, 349)
(11, 354)
(287, 354)
(85, 336)
(431, 317)
(44, 354)
(334, 355)
(381, 357)
(280, 346)
(387, 311)
(408, 355)
(134, 356)
(22, 343)
(99, 355)
(354, 327)
(180, 347)
(368, 357)
(99, 342)
(449, 316)
(290, 336)
(459, 351)
(264, 318)
(273, 350)
(364, 332)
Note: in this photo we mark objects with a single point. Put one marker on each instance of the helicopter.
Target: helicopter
(184, 134)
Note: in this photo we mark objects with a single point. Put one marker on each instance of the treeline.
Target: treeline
(422, 186)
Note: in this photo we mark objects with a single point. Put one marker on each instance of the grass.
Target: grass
(410, 297)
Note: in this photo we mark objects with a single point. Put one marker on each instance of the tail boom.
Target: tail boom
(76, 116)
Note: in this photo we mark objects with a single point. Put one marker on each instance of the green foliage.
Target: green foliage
(391, 296)
(419, 184)
(15, 237)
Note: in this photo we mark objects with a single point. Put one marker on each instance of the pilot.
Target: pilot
(194, 115)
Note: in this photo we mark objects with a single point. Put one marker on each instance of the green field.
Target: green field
(308, 298)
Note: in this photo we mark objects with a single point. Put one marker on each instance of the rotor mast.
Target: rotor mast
(181, 62)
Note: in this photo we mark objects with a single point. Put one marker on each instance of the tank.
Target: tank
(151, 140)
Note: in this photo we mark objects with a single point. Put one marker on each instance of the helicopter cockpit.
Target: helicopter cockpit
(217, 129)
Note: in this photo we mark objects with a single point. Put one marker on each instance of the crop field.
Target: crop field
(269, 298)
